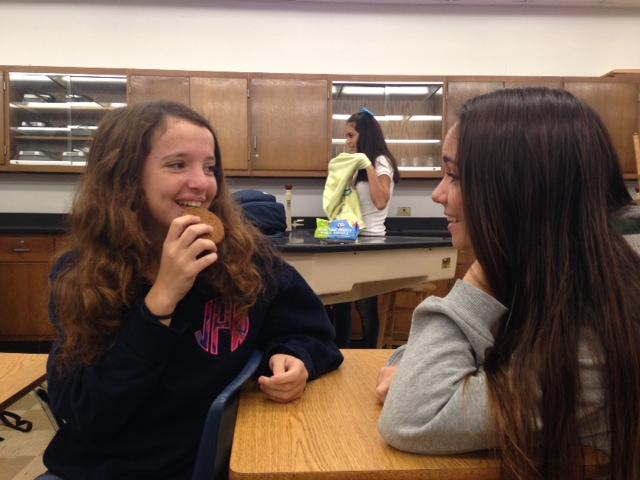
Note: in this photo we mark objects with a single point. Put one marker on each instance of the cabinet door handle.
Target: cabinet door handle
(21, 250)
(255, 142)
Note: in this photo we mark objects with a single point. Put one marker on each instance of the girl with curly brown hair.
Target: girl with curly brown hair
(154, 319)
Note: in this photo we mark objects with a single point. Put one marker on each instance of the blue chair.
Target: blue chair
(212, 460)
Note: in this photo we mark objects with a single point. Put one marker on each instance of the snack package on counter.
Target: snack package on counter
(336, 229)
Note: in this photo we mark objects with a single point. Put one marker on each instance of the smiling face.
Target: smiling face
(178, 172)
(448, 194)
(351, 136)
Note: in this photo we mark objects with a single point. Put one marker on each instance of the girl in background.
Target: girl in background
(375, 186)
(375, 183)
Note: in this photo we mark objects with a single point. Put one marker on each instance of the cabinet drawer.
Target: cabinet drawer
(26, 248)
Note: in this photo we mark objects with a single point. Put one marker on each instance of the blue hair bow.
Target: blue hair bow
(367, 111)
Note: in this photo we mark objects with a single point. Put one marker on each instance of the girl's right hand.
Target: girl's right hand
(180, 263)
(385, 378)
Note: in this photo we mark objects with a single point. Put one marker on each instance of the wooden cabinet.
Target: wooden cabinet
(145, 88)
(409, 114)
(53, 116)
(523, 82)
(223, 101)
(459, 91)
(24, 289)
(289, 127)
(269, 125)
(287, 118)
(617, 105)
(3, 141)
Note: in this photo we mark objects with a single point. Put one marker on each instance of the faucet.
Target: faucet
(297, 223)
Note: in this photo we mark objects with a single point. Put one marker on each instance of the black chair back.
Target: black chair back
(212, 460)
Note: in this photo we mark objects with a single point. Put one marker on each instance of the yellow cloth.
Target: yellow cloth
(339, 200)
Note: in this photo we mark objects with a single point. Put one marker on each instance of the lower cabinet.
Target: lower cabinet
(24, 290)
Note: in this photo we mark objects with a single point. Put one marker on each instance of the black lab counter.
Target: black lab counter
(338, 271)
(343, 271)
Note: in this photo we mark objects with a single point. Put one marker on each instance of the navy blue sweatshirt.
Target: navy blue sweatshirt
(138, 412)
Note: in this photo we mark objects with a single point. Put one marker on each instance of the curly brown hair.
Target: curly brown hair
(110, 250)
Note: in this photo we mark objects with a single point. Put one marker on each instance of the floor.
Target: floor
(20, 452)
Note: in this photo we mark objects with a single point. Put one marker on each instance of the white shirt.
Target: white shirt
(374, 218)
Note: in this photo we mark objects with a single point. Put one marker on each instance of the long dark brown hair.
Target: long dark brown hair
(109, 248)
(371, 142)
(540, 181)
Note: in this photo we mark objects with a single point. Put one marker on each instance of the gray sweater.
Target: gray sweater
(438, 401)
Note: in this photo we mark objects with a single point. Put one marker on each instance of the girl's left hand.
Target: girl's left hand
(288, 381)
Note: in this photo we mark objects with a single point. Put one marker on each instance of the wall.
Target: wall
(29, 193)
(320, 38)
(305, 38)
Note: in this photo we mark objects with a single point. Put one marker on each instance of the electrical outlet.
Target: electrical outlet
(404, 211)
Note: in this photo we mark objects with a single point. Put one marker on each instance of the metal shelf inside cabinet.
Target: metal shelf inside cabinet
(66, 105)
(56, 163)
(59, 138)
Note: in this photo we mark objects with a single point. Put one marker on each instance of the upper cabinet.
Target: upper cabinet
(54, 116)
(270, 125)
(264, 126)
(410, 115)
(3, 144)
(459, 91)
(289, 119)
(223, 101)
(617, 105)
(145, 88)
(523, 82)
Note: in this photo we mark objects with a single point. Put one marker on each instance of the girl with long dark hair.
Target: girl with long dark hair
(536, 352)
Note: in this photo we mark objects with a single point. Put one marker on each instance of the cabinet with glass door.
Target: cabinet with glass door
(54, 116)
(409, 113)
(3, 150)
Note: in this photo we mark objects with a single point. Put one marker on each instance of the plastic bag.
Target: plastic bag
(336, 229)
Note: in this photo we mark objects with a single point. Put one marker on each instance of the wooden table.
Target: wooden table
(331, 433)
(19, 374)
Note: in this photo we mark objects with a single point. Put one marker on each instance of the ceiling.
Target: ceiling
(535, 3)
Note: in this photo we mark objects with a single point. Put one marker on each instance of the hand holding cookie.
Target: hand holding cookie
(184, 256)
